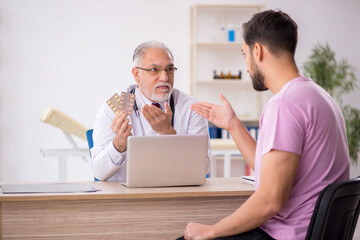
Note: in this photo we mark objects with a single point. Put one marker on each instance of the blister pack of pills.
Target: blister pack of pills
(124, 102)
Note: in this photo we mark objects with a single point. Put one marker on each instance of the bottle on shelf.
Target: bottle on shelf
(222, 75)
(215, 75)
(228, 76)
(231, 33)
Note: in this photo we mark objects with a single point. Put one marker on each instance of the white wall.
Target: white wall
(73, 55)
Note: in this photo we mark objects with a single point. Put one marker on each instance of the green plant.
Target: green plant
(337, 78)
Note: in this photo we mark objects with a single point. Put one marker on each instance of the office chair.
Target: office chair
(336, 212)
(89, 137)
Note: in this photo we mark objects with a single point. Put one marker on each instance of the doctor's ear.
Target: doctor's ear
(136, 73)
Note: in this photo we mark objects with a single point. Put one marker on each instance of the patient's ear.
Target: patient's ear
(258, 52)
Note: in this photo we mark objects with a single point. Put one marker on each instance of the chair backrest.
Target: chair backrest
(89, 138)
(336, 212)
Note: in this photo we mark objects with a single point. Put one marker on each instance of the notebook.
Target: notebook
(47, 188)
(166, 160)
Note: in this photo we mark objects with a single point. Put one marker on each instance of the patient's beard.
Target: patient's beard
(258, 80)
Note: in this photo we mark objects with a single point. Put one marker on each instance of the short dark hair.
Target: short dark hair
(274, 29)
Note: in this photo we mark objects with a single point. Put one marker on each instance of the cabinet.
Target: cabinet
(212, 51)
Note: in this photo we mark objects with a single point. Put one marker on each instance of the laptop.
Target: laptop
(166, 160)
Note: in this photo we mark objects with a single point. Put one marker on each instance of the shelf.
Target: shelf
(210, 51)
(248, 119)
(228, 7)
(219, 44)
(225, 81)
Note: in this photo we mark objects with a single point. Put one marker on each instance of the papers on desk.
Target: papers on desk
(47, 188)
(249, 179)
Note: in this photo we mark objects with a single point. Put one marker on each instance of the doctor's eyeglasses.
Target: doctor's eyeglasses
(157, 70)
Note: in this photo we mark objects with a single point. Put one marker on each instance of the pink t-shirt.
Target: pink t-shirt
(302, 118)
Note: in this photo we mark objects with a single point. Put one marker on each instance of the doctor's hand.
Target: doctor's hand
(195, 231)
(121, 127)
(159, 121)
(222, 116)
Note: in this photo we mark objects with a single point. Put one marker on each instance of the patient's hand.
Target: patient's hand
(121, 127)
(221, 115)
(197, 231)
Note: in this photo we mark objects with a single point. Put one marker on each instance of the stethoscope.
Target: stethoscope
(136, 110)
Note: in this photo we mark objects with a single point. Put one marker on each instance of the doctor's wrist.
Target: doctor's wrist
(169, 131)
(119, 145)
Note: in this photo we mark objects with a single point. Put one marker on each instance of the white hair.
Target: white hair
(141, 49)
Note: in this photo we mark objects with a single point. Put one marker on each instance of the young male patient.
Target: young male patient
(302, 146)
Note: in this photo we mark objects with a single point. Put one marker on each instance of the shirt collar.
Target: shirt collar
(144, 100)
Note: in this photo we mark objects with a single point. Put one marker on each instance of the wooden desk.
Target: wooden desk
(117, 212)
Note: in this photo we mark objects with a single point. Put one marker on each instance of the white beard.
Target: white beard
(159, 97)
